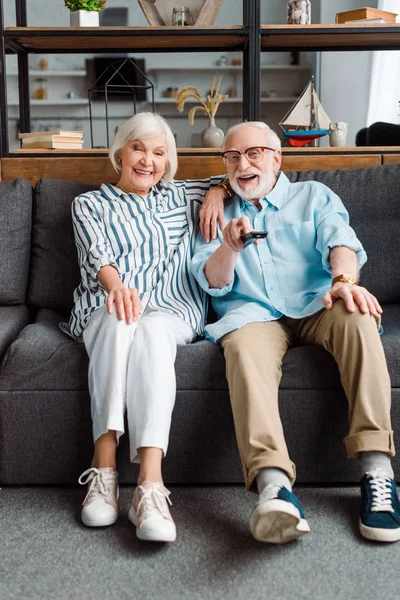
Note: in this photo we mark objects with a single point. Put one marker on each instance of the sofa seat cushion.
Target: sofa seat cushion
(12, 320)
(44, 358)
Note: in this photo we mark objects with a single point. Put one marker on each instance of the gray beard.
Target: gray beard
(250, 192)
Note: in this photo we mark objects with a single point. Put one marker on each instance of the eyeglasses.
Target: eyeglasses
(253, 155)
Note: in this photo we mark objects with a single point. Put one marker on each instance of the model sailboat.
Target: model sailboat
(306, 120)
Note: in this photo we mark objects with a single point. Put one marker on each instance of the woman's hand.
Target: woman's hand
(127, 303)
(212, 211)
(352, 295)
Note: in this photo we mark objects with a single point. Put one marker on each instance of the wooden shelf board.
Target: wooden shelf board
(357, 150)
(328, 37)
(116, 39)
(52, 73)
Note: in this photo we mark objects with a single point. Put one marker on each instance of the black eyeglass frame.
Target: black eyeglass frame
(263, 148)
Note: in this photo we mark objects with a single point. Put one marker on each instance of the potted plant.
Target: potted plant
(212, 136)
(85, 13)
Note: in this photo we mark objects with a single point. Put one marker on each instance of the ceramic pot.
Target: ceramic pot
(84, 18)
(212, 136)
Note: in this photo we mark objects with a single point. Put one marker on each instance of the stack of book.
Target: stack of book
(366, 15)
(66, 140)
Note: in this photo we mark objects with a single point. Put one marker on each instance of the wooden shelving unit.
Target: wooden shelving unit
(251, 39)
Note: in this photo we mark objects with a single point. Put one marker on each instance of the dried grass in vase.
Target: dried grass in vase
(209, 106)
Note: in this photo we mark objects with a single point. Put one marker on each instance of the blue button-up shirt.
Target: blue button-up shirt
(288, 273)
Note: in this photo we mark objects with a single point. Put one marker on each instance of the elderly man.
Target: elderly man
(297, 285)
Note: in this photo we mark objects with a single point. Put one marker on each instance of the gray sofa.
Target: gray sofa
(45, 426)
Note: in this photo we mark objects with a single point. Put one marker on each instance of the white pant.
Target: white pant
(132, 368)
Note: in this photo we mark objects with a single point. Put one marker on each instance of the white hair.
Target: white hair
(271, 136)
(142, 126)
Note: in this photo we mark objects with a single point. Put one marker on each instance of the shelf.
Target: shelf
(330, 37)
(66, 102)
(348, 150)
(192, 39)
(123, 39)
(269, 99)
(49, 73)
(230, 68)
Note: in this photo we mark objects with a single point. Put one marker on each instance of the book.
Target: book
(51, 145)
(366, 21)
(47, 133)
(51, 138)
(365, 12)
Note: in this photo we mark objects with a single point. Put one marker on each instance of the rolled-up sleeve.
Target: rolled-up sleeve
(94, 250)
(333, 229)
(202, 253)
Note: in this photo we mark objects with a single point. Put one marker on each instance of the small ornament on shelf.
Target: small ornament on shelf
(85, 13)
(212, 136)
(299, 12)
(181, 16)
(338, 134)
(40, 92)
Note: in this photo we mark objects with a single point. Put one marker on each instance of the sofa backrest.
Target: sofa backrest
(371, 195)
(372, 198)
(54, 272)
(15, 240)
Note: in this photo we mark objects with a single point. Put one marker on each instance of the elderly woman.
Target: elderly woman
(137, 300)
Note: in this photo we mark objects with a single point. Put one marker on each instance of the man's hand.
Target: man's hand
(212, 211)
(127, 303)
(234, 230)
(352, 295)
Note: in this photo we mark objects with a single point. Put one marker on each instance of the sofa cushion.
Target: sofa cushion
(12, 320)
(372, 198)
(44, 358)
(54, 272)
(15, 239)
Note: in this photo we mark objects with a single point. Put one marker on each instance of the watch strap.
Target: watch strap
(345, 279)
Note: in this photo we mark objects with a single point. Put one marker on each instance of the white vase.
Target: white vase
(84, 18)
(212, 136)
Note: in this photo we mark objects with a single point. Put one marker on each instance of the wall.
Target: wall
(345, 77)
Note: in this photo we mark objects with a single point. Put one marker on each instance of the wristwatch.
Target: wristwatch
(345, 278)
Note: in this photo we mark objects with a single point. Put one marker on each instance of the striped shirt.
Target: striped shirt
(148, 239)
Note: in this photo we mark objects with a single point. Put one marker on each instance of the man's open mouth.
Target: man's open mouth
(247, 178)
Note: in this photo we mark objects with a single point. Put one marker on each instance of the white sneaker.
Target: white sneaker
(100, 506)
(278, 516)
(150, 514)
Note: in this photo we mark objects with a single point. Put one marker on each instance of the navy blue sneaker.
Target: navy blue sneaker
(278, 516)
(380, 511)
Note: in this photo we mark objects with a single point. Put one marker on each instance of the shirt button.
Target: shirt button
(272, 288)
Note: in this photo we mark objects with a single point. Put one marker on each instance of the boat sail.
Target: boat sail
(306, 120)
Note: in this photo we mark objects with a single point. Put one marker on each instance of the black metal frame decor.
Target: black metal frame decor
(113, 76)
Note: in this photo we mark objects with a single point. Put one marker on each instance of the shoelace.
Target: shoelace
(269, 493)
(381, 492)
(100, 483)
(154, 498)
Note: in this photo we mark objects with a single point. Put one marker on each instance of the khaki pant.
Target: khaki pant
(254, 356)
